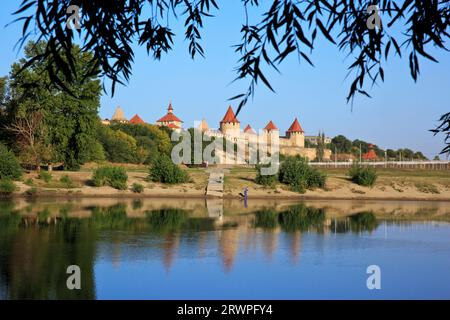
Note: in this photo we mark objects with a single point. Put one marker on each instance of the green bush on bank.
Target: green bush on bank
(115, 177)
(9, 165)
(45, 175)
(163, 170)
(137, 188)
(364, 176)
(296, 173)
(66, 181)
(6, 187)
(265, 180)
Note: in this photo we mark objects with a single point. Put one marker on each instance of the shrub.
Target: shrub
(163, 170)
(427, 188)
(31, 192)
(265, 180)
(45, 175)
(115, 177)
(7, 187)
(9, 165)
(296, 172)
(66, 181)
(29, 182)
(364, 176)
(137, 188)
(316, 179)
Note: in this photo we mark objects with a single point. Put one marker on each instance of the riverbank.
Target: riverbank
(392, 184)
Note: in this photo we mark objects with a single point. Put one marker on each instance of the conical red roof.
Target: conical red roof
(249, 129)
(169, 118)
(136, 120)
(295, 127)
(271, 126)
(229, 116)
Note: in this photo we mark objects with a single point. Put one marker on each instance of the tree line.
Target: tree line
(341, 144)
(45, 125)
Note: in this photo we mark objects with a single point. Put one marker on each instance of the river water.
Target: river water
(198, 249)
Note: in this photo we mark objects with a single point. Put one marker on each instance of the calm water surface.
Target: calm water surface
(193, 249)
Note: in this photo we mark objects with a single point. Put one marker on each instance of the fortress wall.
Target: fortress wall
(309, 153)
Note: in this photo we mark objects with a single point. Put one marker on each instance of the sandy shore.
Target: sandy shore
(422, 186)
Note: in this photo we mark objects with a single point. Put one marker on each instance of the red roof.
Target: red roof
(271, 126)
(370, 155)
(136, 120)
(295, 127)
(173, 126)
(229, 116)
(249, 129)
(170, 117)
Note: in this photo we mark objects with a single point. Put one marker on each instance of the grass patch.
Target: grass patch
(7, 187)
(67, 182)
(137, 188)
(45, 176)
(363, 176)
(115, 177)
(427, 188)
(31, 192)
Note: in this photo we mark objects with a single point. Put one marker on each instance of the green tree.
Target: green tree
(407, 154)
(359, 144)
(9, 166)
(151, 140)
(69, 119)
(3, 81)
(320, 149)
(342, 144)
(419, 156)
(391, 154)
(118, 146)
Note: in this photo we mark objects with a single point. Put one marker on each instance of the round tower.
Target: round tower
(230, 125)
(271, 129)
(296, 135)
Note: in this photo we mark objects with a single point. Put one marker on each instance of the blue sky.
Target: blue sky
(399, 114)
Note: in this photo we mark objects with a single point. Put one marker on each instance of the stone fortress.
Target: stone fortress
(291, 144)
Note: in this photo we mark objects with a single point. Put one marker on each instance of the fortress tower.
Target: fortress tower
(119, 116)
(230, 125)
(271, 130)
(296, 135)
(170, 120)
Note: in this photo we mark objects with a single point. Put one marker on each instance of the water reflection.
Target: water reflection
(39, 240)
(358, 222)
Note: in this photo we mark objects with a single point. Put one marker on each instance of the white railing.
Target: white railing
(424, 164)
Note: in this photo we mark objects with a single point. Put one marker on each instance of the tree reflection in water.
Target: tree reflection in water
(296, 218)
(358, 222)
(37, 248)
